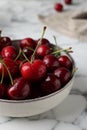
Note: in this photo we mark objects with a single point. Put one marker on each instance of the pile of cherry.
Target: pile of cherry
(36, 68)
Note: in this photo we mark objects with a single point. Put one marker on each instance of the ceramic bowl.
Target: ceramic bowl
(30, 107)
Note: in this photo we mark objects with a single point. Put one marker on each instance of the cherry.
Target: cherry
(51, 62)
(50, 85)
(63, 74)
(19, 90)
(58, 7)
(9, 52)
(5, 41)
(68, 2)
(2, 90)
(44, 41)
(65, 61)
(27, 51)
(43, 50)
(11, 65)
(27, 42)
(35, 71)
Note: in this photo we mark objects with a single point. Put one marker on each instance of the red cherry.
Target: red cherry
(12, 66)
(5, 41)
(51, 62)
(2, 90)
(58, 7)
(43, 50)
(19, 90)
(44, 41)
(50, 85)
(68, 2)
(27, 51)
(35, 71)
(9, 52)
(26, 70)
(27, 42)
(65, 61)
(63, 74)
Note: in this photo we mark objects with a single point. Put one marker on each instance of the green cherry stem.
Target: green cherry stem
(55, 41)
(8, 72)
(19, 53)
(25, 56)
(68, 50)
(29, 48)
(39, 43)
(2, 77)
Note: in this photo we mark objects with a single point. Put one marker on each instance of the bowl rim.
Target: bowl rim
(47, 96)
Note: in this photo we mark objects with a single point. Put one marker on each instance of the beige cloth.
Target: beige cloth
(71, 23)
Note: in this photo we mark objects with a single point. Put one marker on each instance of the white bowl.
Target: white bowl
(30, 107)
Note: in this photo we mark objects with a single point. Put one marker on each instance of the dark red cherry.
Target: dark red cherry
(9, 52)
(27, 52)
(51, 62)
(63, 74)
(58, 7)
(11, 65)
(35, 71)
(50, 85)
(44, 41)
(5, 41)
(19, 90)
(65, 61)
(68, 2)
(43, 50)
(27, 42)
(2, 90)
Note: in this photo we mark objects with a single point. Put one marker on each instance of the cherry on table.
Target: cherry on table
(19, 90)
(68, 2)
(63, 74)
(58, 7)
(50, 85)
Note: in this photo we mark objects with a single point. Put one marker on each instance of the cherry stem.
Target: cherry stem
(2, 77)
(24, 55)
(39, 43)
(19, 53)
(65, 50)
(55, 40)
(29, 48)
(8, 72)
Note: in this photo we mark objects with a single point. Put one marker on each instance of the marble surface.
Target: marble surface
(19, 19)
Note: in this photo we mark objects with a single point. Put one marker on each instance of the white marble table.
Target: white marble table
(18, 19)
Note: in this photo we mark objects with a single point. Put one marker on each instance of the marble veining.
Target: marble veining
(19, 19)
